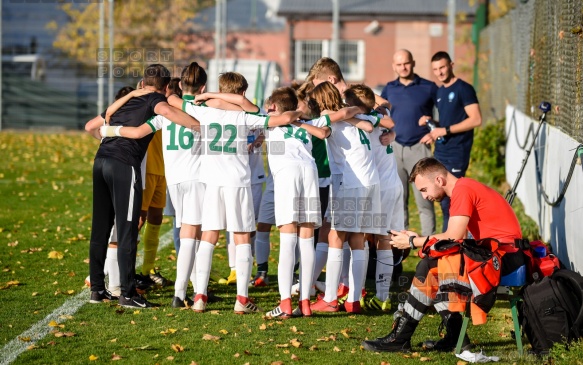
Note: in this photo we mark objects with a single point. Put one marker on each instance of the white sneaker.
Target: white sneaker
(250, 307)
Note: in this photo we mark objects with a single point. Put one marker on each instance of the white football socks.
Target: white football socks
(204, 260)
(307, 258)
(321, 258)
(184, 264)
(243, 265)
(333, 269)
(287, 260)
(357, 271)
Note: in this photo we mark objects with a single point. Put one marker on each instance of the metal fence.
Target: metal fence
(535, 53)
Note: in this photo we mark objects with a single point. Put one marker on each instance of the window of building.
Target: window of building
(350, 57)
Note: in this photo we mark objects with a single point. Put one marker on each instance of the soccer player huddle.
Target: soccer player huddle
(332, 189)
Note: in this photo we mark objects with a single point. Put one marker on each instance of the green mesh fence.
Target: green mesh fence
(532, 54)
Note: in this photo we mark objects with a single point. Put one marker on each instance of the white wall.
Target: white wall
(562, 225)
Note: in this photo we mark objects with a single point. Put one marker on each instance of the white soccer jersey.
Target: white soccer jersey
(256, 158)
(180, 148)
(352, 146)
(385, 161)
(225, 160)
(291, 145)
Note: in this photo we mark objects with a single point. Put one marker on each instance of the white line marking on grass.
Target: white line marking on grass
(40, 329)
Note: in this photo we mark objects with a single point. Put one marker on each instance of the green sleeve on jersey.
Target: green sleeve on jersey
(375, 114)
(327, 120)
(267, 122)
(255, 113)
(148, 122)
(184, 105)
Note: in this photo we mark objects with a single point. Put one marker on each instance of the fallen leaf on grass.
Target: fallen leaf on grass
(10, 284)
(461, 363)
(170, 358)
(32, 347)
(277, 363)
(115, 357)
(295, 343)
(53, 324)
(208, 337)
(224, 332)
(282, 345)
(313, 348)
(425, 359)
(177, 348)
(169, 331)
(344, 332)
(24, 339)
(294, 329)
(336, 349)
(237, 355)
(385, 363)
(13, 244)
(294, 357)
(263, 327)
(93, 358)
(114, 340)
(56, 255)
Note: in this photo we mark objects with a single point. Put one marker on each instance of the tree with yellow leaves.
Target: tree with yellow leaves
(140, 25)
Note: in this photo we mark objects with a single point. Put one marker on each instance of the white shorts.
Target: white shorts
(187, 198)
(257, 192)
(297, 195)
(169, 208)
(229, 208)
(357, 210)
(392, 209)
(335, 183)
(267, 208)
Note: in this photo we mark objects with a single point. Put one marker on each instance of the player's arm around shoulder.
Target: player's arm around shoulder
(92, 126)
(320, 132)
(128, 132)
(227, 101)
(176, 115)
(282, 119)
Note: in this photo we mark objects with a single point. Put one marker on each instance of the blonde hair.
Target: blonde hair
(325, 96)
(232, 82)
(323, 68)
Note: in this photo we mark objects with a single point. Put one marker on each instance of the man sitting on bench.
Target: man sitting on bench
(475, 208)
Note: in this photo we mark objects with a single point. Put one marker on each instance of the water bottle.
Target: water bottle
(432, 126)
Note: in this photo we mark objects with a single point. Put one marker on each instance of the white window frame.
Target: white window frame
(356, 75)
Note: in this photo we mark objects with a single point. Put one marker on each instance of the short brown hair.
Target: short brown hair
(325, 96)
(233, 83)
(360, 95)
(156, 75)
(428, 166)
(323, 68)
(193, 77)
(285, 99)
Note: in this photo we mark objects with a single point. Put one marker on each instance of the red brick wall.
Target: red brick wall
(379, 47)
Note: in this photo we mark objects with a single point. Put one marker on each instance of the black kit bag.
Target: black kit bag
(552, 310)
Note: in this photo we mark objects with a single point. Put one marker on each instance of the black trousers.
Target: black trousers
(117, 192)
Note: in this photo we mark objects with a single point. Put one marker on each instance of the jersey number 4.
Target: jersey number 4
(364, 139)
